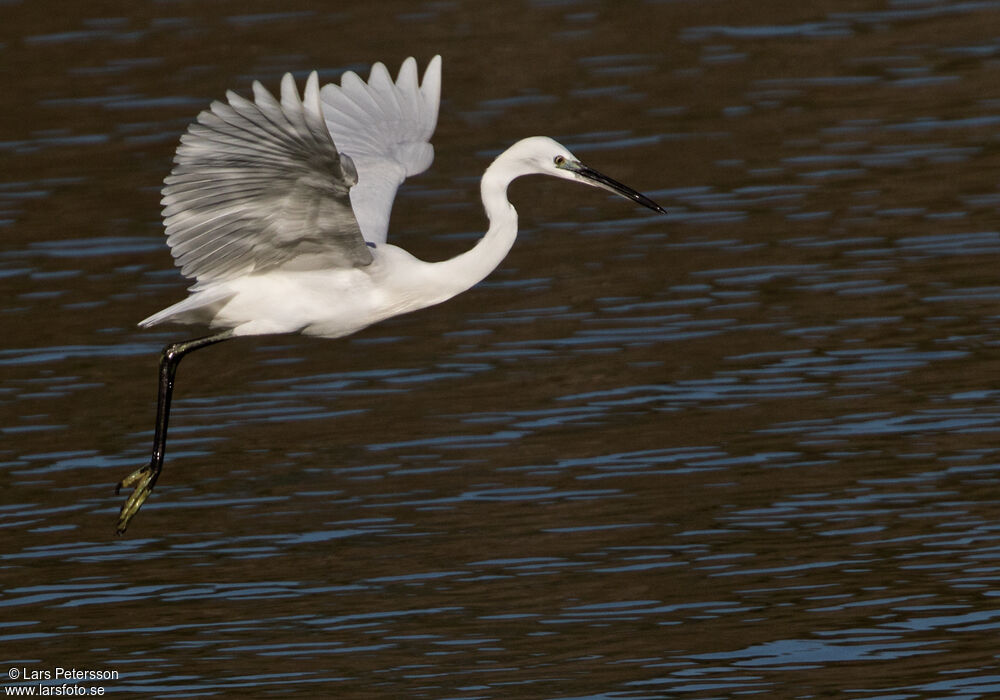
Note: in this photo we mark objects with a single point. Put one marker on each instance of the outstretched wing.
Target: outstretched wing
(260, 185)
(385, 128)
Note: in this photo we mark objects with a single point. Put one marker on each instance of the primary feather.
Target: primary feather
(260, 185)
(385, 127)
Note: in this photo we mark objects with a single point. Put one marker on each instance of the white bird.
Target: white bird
(279, 212)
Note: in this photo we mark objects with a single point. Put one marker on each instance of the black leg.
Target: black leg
(144, 478)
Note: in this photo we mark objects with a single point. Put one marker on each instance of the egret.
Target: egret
(279, 210)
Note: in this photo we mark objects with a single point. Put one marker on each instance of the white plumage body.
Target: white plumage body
(324, 303)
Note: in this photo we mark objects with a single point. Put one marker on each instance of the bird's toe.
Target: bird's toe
(143, 480)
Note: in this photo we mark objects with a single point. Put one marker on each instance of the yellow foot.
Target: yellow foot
(142, 479)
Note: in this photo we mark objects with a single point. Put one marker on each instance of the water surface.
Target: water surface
(748, 448)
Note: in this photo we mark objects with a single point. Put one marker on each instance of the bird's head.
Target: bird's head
(544, 156)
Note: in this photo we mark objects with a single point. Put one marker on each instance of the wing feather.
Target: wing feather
(258, 185)
(385, 127)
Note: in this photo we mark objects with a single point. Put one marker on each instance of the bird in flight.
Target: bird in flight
(278, 209)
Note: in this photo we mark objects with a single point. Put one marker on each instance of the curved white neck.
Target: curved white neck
(471, 267)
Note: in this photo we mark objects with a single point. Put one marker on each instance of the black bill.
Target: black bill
(591, 176)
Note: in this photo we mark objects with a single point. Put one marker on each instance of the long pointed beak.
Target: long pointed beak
(592, 177)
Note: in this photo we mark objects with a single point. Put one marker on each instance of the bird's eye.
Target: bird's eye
(559, 160)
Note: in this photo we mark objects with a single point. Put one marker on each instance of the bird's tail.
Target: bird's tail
(199, 308)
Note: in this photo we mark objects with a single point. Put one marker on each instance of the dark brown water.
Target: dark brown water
(748, 449)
